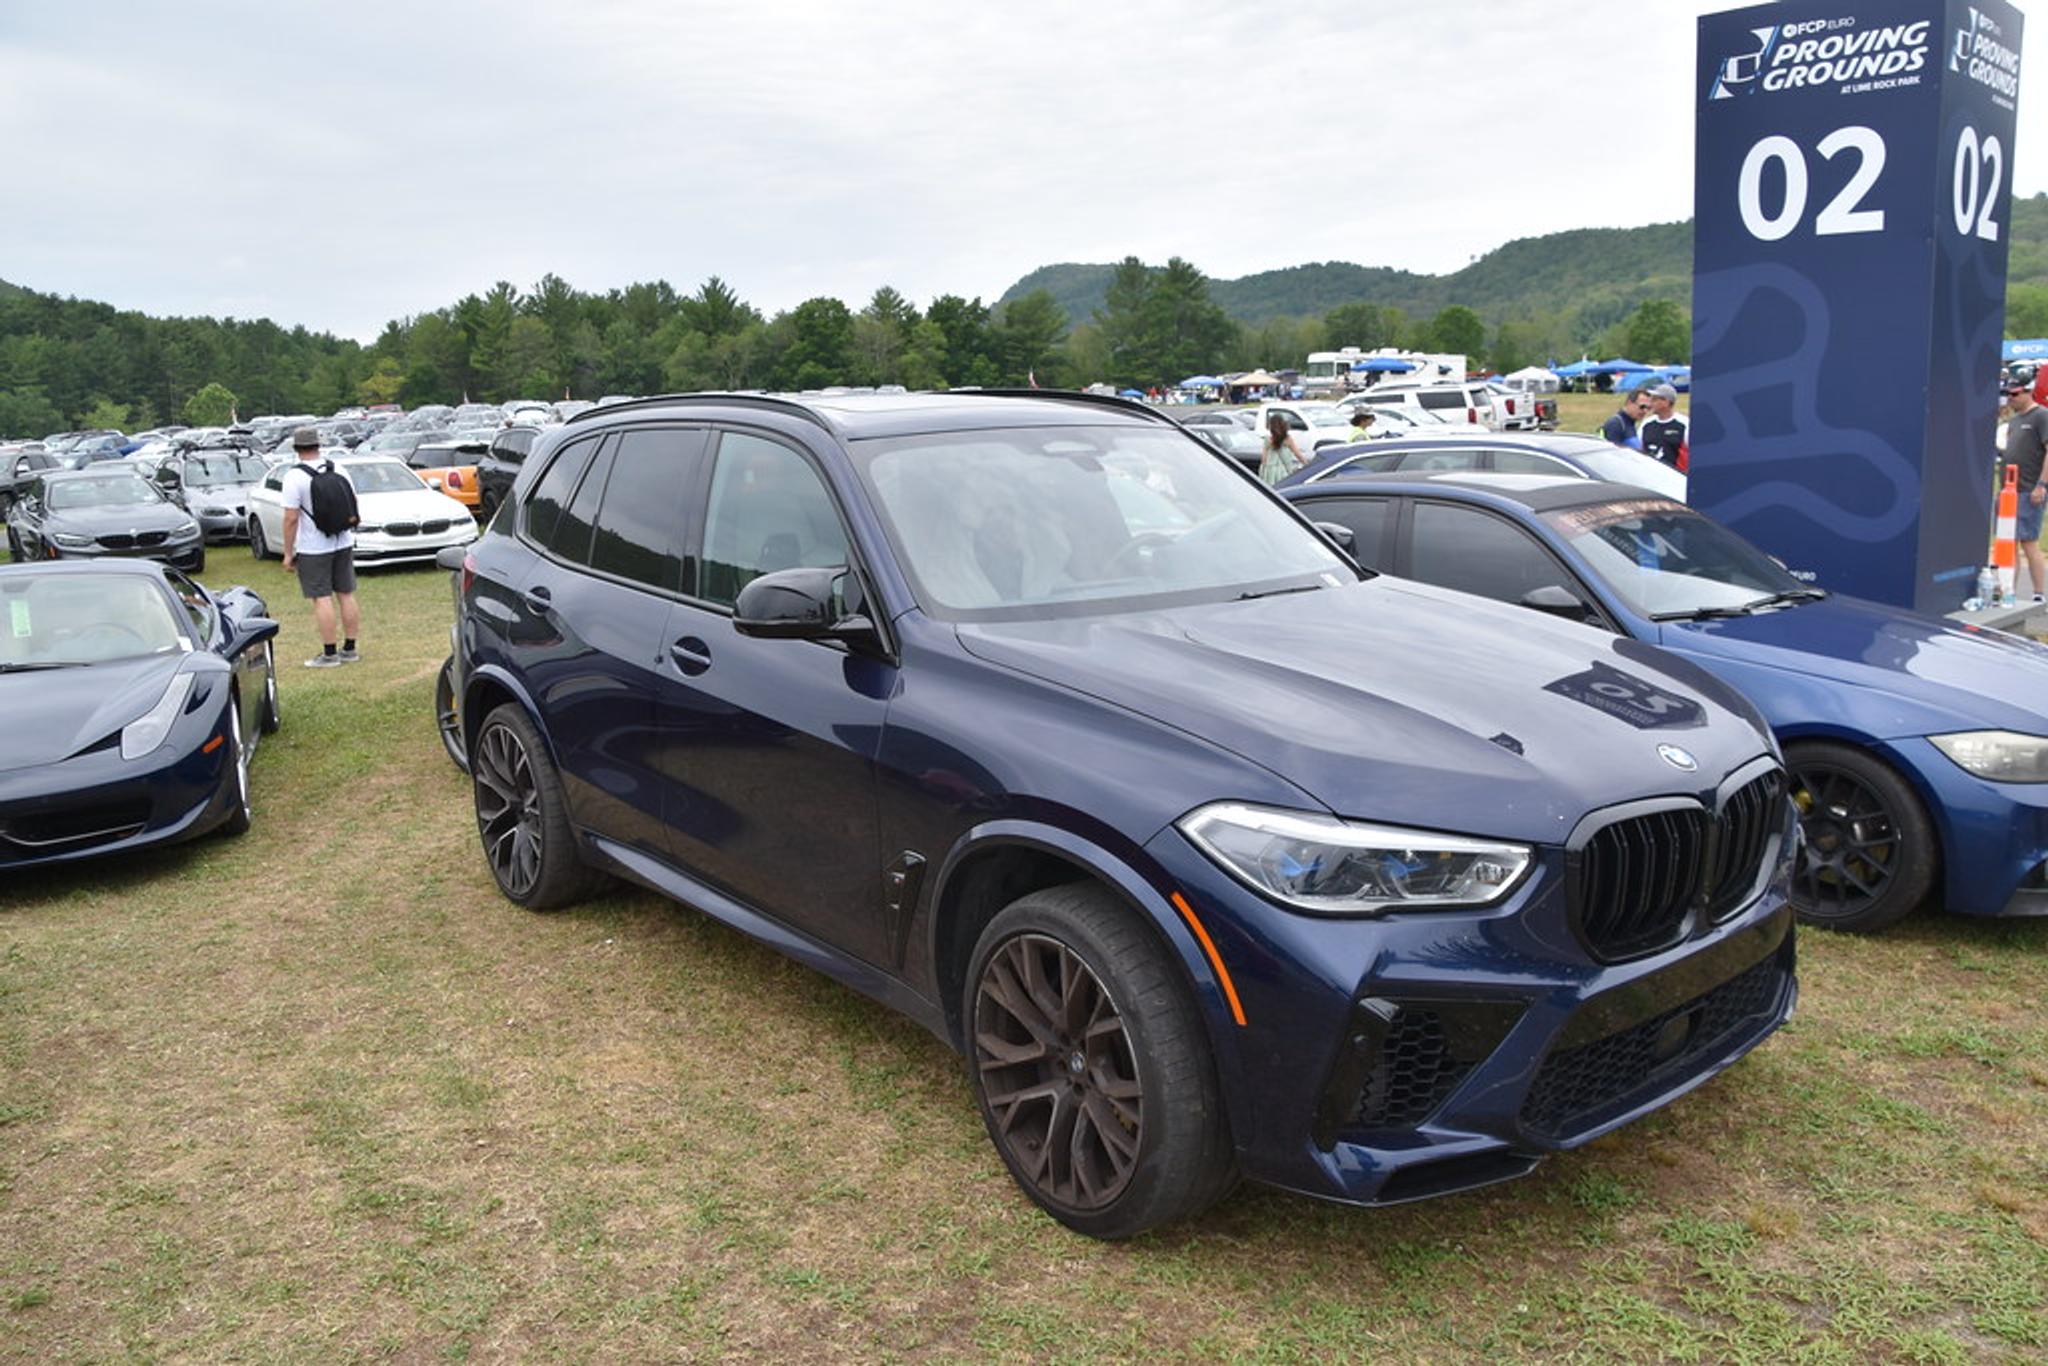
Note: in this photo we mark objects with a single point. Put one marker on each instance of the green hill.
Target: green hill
(1591, 273)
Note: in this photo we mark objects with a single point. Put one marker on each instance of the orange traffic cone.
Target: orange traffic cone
(2005, 550)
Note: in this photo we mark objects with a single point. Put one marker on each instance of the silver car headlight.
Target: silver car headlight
(2004, 756)
(1336, 867)
(187, 528)
(147, 731)
(68, 539)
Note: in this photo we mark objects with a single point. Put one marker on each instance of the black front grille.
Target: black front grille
(1749, 819)
(122, 540)
(402, 528)
(1637, 881)
(43, 832)
(435, 527)
(1576, 1084)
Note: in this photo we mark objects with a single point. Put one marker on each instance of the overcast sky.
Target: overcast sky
(342, 165)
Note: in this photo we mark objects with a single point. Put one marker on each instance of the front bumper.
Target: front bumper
(229, 525)
(1994, 836)
(380, 547)
(1385, 1060)
(100, 803)
(186, 553)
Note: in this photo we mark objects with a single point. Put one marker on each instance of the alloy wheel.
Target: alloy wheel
(508, 809)
(1851, 851)
(1059, 1072)
(448, 714)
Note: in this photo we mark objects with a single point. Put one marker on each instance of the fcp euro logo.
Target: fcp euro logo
(1738, 73)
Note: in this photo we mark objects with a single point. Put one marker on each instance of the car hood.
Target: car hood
(1391, 701)
(407, 505)
(1983, 678)
(114, 521)
(53, 715)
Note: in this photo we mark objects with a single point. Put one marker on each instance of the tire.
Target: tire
(258, 547)
(486, 508)
(14, 550)
(1869, 857)
(199, 565)
(522, 816)
(271, 718)
(448, 715)
(1126, 1130)
(239, 819)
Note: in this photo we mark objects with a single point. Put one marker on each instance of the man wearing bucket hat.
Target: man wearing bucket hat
(1663, 431)
(324, 560)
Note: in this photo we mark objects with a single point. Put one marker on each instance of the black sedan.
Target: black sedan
(133, 699)
(94, 513)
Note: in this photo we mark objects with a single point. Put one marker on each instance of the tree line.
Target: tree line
(73, 363)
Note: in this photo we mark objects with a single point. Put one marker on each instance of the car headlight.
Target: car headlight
(2003, 756)
(187, 528)
(1335, 867)
(142, 735)
(74, 542)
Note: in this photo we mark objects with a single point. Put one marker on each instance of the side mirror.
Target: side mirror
(451, 557)
(1559, 601)
(799, 604)
(167, 477)
(249, 631)
(1339, 533)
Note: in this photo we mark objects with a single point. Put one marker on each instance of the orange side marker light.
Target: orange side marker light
(1187, 913)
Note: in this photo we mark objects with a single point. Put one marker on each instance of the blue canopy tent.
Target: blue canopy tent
(1130, 393)
(1381, 365)
(1575, 369)
(1618, 366)
(1200, 382)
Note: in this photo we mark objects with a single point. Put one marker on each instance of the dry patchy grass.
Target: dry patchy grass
(320, 1093)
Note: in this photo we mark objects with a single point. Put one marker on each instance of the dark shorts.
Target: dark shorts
(322, 576)
(2030, 519)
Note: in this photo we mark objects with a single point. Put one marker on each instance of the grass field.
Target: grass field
(320, 1094)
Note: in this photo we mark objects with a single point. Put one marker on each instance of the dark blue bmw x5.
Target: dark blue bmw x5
(1029, 717)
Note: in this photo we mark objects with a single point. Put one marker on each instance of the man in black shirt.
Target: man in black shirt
(1621, 428)
(1663, 433)
(2026, 445)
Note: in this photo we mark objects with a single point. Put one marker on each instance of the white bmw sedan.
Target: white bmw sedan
(402, 520)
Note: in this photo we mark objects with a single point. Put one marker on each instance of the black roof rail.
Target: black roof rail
(1077, 396)
(777, 404)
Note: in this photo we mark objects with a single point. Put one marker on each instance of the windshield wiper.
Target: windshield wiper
(1276, 592)
(38, 666)
(1743, 609)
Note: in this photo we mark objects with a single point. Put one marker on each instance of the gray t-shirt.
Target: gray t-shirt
(297, 487)
(2026, 442)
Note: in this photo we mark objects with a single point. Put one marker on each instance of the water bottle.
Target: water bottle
(1987, 586)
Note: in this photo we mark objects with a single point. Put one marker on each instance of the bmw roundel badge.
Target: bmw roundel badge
(1678, 758)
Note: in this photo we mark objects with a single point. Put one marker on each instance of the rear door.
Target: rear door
(768, 746)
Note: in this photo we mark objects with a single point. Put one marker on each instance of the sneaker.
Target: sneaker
(324, 661)
(348, 656)
(2038, 599)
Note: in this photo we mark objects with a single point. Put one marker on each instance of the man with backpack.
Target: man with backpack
(319, 543)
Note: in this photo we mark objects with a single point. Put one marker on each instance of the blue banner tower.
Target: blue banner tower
(1852, 201)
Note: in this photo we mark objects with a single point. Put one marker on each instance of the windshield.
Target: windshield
(101, 493)
(1662, 557)
(1051, 520)
(214, 471)
(51, 620)
(1620, 465)
(381, 476)
(1326, 417)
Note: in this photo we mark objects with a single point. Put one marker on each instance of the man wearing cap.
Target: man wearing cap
(325, 564)
(1663, 432)
(2026, 445)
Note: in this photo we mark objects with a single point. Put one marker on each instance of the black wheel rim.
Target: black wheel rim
(508, 810)
(1850, 854)
(447, 716)
(1058, 1073)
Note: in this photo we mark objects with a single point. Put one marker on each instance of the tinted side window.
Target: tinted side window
(1439, 460)
(768, 510)
(544, 504)
(1528, 462)
(1366, 517)
(640, 523)
(572, 534)
(1477, 552)
(1441, 399)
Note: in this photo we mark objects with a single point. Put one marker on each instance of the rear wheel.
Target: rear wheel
(1869, 856)
(1091, 1067)
(14, 551)
(523, 816)
(258, 547)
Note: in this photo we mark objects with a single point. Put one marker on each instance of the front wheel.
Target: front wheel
(258, 547)
(1869, 855)
(448, 715)
(238, 756)
(522, 816)
(1091, 1067)
(271, 718)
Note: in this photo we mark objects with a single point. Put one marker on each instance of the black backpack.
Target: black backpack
(333, 499)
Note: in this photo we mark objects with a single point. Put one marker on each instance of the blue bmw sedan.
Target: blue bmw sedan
(1919, 749)
(1030, 717)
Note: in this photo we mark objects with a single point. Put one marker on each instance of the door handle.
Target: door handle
(691, 655)
(539, 599)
